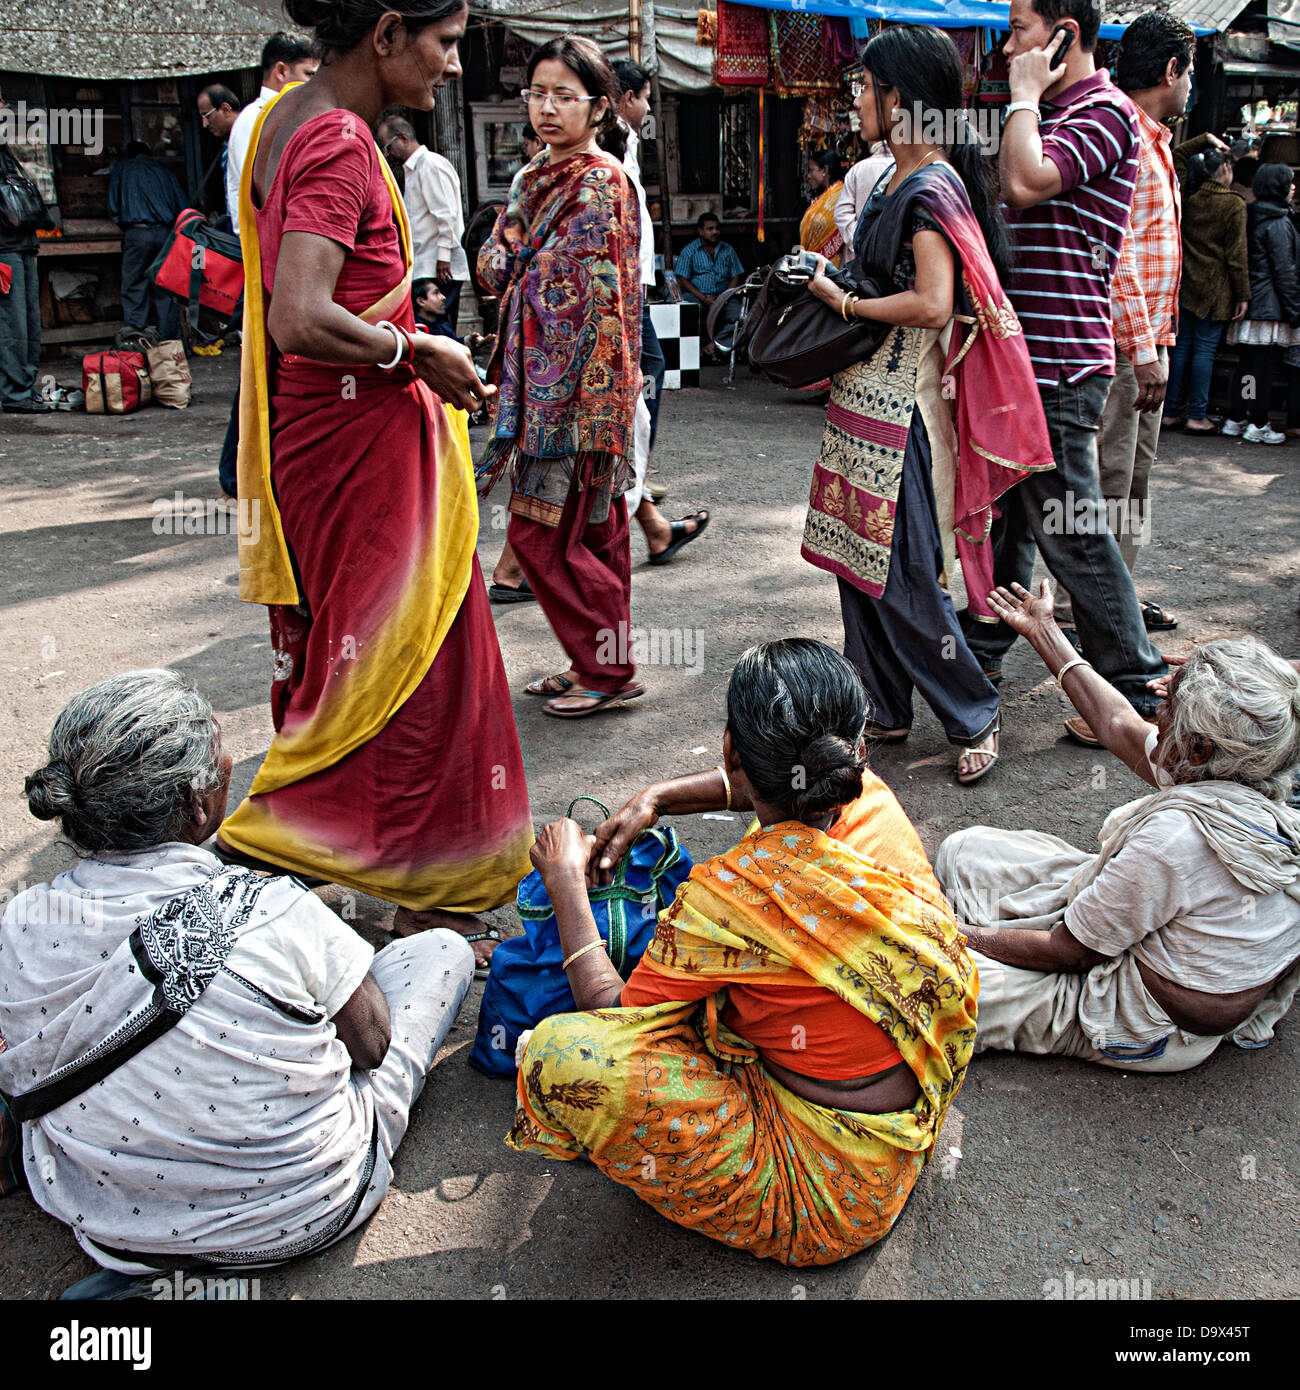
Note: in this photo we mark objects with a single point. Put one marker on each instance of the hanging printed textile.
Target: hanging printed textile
(742, 59)
(800, 65)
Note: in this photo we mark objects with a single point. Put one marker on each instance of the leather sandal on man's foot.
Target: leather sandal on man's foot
(1080, 731)
(511, 593)
(1155, 619)
(681, 536)
(877, 733)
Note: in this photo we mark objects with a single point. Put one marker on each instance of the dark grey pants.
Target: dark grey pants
(1062, 512)
(20, 329)
(909, 638)
(142, 304)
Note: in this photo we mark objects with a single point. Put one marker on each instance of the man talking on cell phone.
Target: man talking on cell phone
(1069, 161)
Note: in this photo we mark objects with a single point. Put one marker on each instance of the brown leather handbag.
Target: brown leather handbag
(794, 339)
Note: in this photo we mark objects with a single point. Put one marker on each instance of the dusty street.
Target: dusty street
(1045, 1168)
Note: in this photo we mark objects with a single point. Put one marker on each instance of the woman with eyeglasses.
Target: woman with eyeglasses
(395, 768)
(943, 418)
(563, 258)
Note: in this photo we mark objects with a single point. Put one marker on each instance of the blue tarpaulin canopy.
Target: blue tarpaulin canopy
(943, 14)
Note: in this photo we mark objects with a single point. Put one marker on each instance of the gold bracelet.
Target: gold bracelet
(726, 782)
(581, 951)
(1069, 666)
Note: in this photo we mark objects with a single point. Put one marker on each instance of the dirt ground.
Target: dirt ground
(1045, 1167)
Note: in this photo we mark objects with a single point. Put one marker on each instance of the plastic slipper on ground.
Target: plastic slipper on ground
(877, 733)
(603, 700)
(511, 593)
(681, 536)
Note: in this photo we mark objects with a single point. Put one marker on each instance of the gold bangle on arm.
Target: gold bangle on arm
(726, 782)
(1069, 666)
(581, 951)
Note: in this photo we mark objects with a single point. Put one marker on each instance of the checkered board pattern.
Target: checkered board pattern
(678, 327)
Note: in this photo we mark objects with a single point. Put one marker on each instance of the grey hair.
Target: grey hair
(1238, 693)
(126, 755)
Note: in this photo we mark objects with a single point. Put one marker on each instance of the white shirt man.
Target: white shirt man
(237, 148)
(432, 197)
(859, 182)
(632, 165)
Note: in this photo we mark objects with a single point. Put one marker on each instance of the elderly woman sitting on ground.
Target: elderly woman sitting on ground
(211, 1068)
(793, 1037)
(1185, 929)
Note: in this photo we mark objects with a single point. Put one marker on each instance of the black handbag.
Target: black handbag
(21, 207)
(794, 339)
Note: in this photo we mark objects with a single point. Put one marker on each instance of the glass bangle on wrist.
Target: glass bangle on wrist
(400, 339)
(581, 951)
(1069, 666)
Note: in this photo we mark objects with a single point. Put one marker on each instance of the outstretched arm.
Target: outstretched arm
(1057, 951)
(1116, 723)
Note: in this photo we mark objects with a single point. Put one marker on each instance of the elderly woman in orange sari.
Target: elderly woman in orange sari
(395, 768)
(817, 231)
(776, 1070)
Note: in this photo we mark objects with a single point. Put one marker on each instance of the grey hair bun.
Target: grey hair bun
(51, 791)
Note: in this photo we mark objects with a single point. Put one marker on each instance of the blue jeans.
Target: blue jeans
(20, 329)
(652, 365)
(1062, 512)
(1192, 358)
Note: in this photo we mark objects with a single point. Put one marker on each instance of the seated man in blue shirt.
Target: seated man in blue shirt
(144, 199)
(707, 266)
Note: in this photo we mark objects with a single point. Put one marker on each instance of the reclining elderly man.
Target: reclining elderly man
(1185, 929)
(211, 1068)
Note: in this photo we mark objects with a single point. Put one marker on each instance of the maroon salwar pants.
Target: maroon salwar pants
(582, 576)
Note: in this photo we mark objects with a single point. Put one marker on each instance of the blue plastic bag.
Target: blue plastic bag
(527, 982)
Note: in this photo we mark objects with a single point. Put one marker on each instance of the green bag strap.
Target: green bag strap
(604, 810)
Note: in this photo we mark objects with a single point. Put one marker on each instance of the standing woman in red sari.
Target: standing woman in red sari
(395, 767)
(563, 258)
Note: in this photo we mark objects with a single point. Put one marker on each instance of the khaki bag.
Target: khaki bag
(170, 373)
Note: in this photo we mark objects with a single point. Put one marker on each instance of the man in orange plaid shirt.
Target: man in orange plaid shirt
(1155, 72)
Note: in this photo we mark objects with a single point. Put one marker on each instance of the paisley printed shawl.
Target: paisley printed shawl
(568, 356)
(790, 903)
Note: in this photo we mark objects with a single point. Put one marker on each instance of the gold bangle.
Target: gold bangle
(844, 308)
(726, 782)
(1069, 666)
(581, 951)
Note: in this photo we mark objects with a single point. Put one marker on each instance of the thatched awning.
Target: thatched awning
(115, 40)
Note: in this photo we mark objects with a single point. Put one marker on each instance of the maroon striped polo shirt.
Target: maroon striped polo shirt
(1066, 248)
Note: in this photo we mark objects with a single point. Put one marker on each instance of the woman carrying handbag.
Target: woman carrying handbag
(912, 460)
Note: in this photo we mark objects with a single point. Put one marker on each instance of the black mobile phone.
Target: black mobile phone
(1065, 47)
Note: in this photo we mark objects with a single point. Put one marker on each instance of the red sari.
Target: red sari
(395, 767)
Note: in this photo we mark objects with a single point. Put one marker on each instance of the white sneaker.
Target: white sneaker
(1233, 427)
(1263, 434)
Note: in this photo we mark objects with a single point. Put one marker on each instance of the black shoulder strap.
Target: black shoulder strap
(132, 1037)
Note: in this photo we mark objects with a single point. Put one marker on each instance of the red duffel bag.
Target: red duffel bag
(202, 268)
(115, 383)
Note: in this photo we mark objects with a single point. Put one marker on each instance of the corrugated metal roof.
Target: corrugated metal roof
(1204, 14)
(107, 40)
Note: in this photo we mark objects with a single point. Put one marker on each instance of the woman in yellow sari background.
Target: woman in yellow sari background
(786, 1051)
(817, 231)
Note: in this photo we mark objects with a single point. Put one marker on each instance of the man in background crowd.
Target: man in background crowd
(284, 60)
(707, 266)
(218, 110)
(431, 192)
(1155, 71)
(1068, 163)
(144, 199)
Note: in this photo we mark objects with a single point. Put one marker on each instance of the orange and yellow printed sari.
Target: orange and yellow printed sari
(395, 767)
(671, 1103)
(817, 231)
